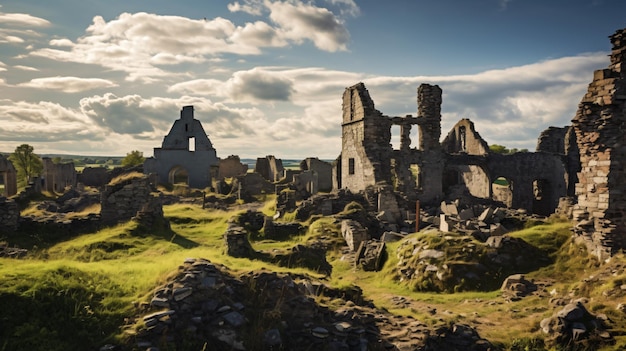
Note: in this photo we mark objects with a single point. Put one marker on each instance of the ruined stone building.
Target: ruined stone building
(186, 155)
(57, 176)
(8, 177)
(432, 170)
(585, 161)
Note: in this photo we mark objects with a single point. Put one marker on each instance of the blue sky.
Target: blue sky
(266, 76)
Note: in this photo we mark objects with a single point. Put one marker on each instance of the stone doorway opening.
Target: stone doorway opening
(179, 175)
(502, 190)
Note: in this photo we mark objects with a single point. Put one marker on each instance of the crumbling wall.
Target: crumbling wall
(231, 167)
(599, 127)
(93, 176)
(463, 138)
(8, 177)
(270, 167)
(552, 140)
(56, 177)
(537, 180)
(366, 135)
(324, 171)
(125, 198)
(9, 215)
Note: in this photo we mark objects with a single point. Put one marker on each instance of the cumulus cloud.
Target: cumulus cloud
(257, 84)
(299, 22)
(252, 7)
(150, 118)
(69, 84)
(348, 7)
(43, 121)
(141, 42)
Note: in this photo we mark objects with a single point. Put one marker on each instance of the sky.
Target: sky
(266, 77)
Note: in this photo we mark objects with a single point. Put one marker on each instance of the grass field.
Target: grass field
(74, 294)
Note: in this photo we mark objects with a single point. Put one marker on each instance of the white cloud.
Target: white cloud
(26, 68)
(252, 7)
(137, 43)
(348, 7)
(22, 20)
(299, 21)
(69, 84)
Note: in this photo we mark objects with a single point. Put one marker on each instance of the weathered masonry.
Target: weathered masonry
(8, 177)
(433, 171)
(600, 132)
(186, 155)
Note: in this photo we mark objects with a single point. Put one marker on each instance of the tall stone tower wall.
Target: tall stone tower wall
(366, 141)
(600, 128)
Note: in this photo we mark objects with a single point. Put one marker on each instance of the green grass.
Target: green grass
(74, 293)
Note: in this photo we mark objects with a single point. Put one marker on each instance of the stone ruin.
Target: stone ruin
(56, 177)
(128, 198)
(186, 155)
(582, 161)
(8, 177)
(600, 136)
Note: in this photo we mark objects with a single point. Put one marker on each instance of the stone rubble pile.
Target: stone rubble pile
(204, 306)
(479, 221)
(574, 325)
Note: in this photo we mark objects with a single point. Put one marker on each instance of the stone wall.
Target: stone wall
(94, 176)
(324, 172)
(353, 233)
(270, 167)
(599, 127)
(231, 167)
(9, 215)
(552, 140)
(463, 138)
(57, 176)
(8, 177)
(123, 200)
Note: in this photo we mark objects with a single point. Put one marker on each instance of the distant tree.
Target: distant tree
(56, 160)
(498, 149)
(134, 158)
(27, 164)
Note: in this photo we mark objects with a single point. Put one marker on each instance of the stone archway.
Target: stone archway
(502, 190)
(178, 175)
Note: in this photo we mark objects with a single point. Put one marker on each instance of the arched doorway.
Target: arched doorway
(178, 175)
(502, 190)
(542, 197)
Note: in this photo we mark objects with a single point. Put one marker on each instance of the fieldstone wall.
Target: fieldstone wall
(599, 127)
(9, 215)
(353, 233)
(231, 167)
(126, 199)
